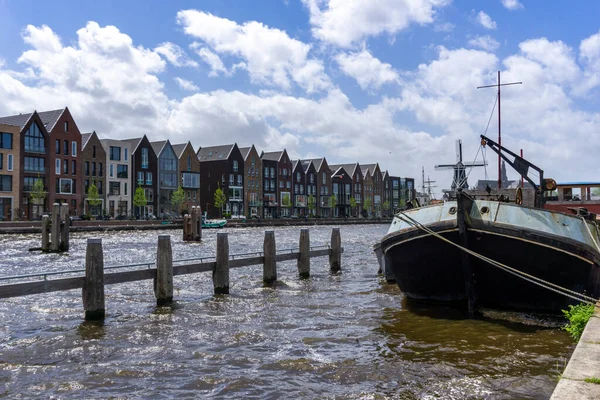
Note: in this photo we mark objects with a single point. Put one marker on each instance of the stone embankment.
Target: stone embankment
(119, 225)
(581, 379)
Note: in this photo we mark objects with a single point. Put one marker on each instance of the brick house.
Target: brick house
(324, 190)
(93, 159)
(144, 174)
(356, 189)
(10, 136)
(253, 178)
(310, 174)
(299, 195)
(168, 173)
(341, 185)
(189, 174)
(284, 180)
(117, 185)
(374, 184)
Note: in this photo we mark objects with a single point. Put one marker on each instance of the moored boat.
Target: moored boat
(213, 223)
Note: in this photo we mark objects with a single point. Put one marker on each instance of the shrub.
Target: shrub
(578, 317)
(226, 215)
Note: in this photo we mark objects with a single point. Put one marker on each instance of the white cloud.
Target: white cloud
(344, 22)
(512, 4)
(487, 43)
(175, 55)
(485, 20)
(368, 71)
(212, 59)
(445, 27)
(270, 55)
(186, 85)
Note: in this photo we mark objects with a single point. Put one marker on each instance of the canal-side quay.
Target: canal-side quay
(337, 335)
(584, 364)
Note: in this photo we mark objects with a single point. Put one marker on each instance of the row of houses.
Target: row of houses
(45, 159)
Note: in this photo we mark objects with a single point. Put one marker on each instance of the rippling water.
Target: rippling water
(346, 336)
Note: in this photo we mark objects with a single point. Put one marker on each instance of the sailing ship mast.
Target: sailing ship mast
(498, 85)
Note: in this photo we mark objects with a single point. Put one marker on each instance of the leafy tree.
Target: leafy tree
(177, 198)
(139, 198)
(368, 203)
(311, 204)
(219, 199)
(386, 205)
(352, 203)
(38, 192)
(92, 195)
(286, 202)
(333, 202)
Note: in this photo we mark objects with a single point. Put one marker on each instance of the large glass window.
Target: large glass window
(6, 140)
(122, 171)
(168, 163)
(144, 157)
(140, 178)
(34, 140)
(34, 164)
(29, 182)
(114, 188)
(191, 180)
(235, 166)
(115, 153)
(65, 186)
(148, 178)
(235, 194)
(5, 183)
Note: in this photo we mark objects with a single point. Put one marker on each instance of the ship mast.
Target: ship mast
(498, 85)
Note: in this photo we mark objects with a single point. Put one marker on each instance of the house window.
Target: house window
(148, 178)
(115, 153)
(122, 171)
(74, 149)
(9, 162)
(34, 140)
(1, 160)
(57, 167)
(5, 183)
(34, 164)
(288, 184)
(65, 166)
(191, 180)
(111, 171)
(144, 157)
(298, 176)
(281, 184)
(66, 126)
(73, 166)
(125, 189)
(66, 147)
(100, 188)
(86, 169)
(324, 178)
(57, 146)
(6, 140)
(100, 169)
(140, 178)
(114, 188)
(235, 166)
(94, 151)
(189, 168)
(65, 186)
(125, 156)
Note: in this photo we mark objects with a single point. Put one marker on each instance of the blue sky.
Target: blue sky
(392, 81)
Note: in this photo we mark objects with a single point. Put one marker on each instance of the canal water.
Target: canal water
(344, 336)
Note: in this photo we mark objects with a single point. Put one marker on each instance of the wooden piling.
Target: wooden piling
(45, 233)
(270, 265)
(163, 283)
(64, 227)
(221, 271)
(304, 256)
(335, 256)
(55, 236)
(93, 285)
(187, 227)
(197, 223)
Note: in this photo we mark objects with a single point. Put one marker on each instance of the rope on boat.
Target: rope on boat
(523, 275)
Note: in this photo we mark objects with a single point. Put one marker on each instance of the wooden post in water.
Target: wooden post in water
(45, 233)
(270, 265)
(163, 283)
(55, 237)
(64, 227)
(221, 271)
(197, 223)
(93, 285)
(335, 255)
(187, 227)
(304, 257)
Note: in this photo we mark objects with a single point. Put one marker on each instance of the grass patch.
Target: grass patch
(578, 317)
(593, 380)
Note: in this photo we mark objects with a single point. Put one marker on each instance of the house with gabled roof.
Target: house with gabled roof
(323, 190)
(117, 170)
(373, 187)
(167, 182)
(299, 195)
(280, 161)
(93, 159)
(144, 174)
(341, 184)
(222, 167)
(253, 179)
(189, 175)
(32, 165)
(356, 189)
(311, 178)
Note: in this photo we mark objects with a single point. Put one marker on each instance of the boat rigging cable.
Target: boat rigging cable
(483, 151)
(535, 280)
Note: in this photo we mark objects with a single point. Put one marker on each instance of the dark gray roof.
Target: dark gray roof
(214, 153)
(306, 165)
(368, 167)
(317, 162)
(349, 168)
(272, 155)
(133, 142)
(84, 139)
(295, 164)
(158, 146)
(16, 120)
(50, 118)
(245, 151)
(179, 148)
(335, 170)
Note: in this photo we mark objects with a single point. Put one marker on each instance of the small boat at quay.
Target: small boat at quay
(213, 223)
(495, 252)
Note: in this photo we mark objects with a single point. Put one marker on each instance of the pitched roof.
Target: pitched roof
(215, 153)
(245, 151)
(296, 163)
(179, 148)
(272, 155)
(158, 146)
(317, 162)
(336, 170)
(84, 139)
(349, 168)
(19, 120)
(368, 167)
(306, 164)
(50, 118)
(133, 142)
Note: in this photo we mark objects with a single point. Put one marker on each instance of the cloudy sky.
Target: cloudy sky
(393, 81)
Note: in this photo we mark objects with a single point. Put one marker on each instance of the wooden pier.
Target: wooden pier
(55, 230)
(162, 271)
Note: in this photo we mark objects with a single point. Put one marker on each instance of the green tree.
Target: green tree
(38, 192)
(386, 205)
(311, 204)
(219, 199)
(177, 198)
(93, 197)
(368, 203)
(352, 203)
(139, 198)
(332, 203)
(286, 202)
